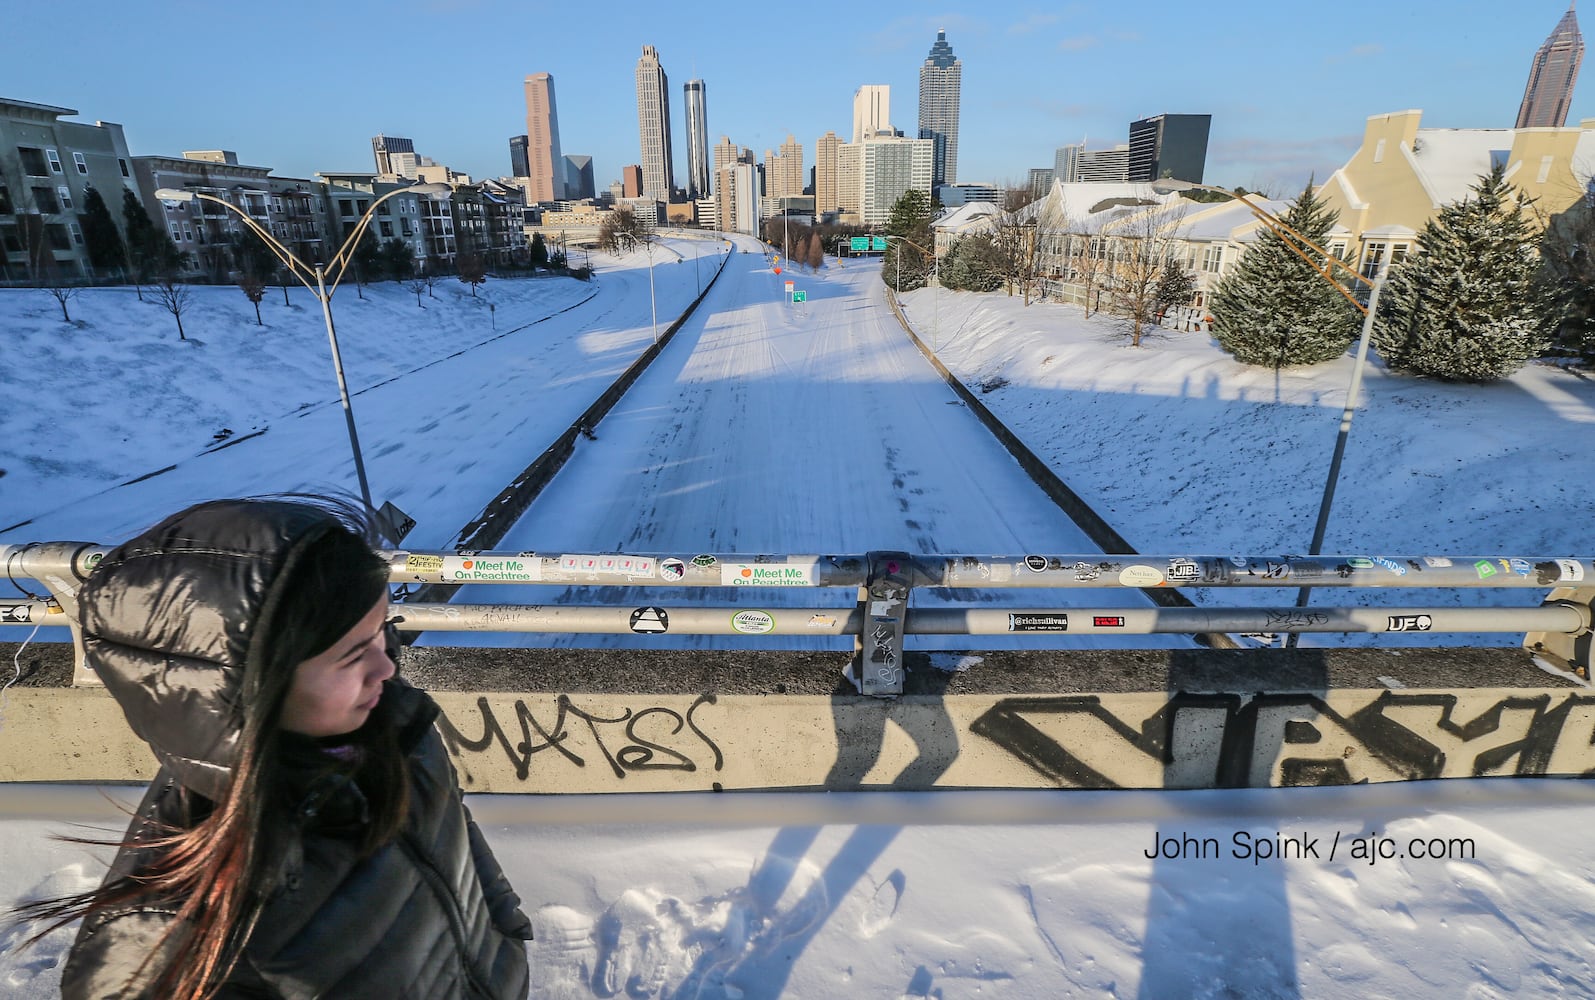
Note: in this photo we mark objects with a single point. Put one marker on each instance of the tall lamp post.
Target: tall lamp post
(337, 266)
(935, 300)
(1296, 241)
(648, 247)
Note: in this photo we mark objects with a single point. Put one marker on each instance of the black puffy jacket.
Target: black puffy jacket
(169, 622)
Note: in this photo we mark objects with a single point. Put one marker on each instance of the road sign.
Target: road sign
(877, 243)
(800, 296)
(789, 285)
(858, 243)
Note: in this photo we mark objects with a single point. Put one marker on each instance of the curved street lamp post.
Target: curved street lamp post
(337, 266)
(1296, 241)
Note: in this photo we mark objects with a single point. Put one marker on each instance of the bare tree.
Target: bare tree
(174, 296)
(416, 285)
(63, 291)
(617, 226)
(472, 270)
(1146, 256)
(254, 290)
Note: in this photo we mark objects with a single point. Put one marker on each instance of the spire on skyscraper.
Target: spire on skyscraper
(1549, 91)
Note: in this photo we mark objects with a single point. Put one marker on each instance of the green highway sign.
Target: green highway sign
(800, 296)
(877, 243)
(859, 243)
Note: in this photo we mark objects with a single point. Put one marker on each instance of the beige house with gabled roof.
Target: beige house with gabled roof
(1403, 175)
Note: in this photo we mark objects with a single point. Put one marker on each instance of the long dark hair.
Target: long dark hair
(221, 860)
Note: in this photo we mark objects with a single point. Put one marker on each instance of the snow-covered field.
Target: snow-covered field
(1029, 896)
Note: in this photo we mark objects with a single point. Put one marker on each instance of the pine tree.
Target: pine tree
(539, 251)
(1471, 306)
(100, 236)
(905, 266)
(1274, 308)
(142, 248)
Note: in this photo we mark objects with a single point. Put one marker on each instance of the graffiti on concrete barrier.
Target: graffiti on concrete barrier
(1293, 739)
(648, 739)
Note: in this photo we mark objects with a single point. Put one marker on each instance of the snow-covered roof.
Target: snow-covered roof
(1449, 161)
(965, 215)
(1230, 220)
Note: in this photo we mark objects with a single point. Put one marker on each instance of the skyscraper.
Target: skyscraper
(579, 177)
(394, 155)
(653, 126)
(872, 111)
(518, 162)
(1552, 75)
(543, 158)
(940, 79)
(1169, 146)
(825, 193)
(697, 140)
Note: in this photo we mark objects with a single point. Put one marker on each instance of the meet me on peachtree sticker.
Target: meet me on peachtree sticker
(765, 575)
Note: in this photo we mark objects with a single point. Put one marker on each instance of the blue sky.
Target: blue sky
(302, 87)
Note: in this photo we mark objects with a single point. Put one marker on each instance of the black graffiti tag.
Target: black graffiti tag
(636, 753)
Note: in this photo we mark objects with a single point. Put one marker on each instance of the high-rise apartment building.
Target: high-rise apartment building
(1169, 146)
(631, 181)
(653, 126)
(825, 193)
(394, 156)
(1552, 75)
(518, 161)
(849, 177)
(1066, 163)
(889, 168)
(544, 160)
(1105, 164)
(783, 172)
(697, 110)
(940, 79)
(872, 111)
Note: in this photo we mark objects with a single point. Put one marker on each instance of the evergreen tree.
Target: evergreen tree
(539, 251)
(100, 236)
(1274, 308)
(905, 267)
(143, 248)
(1569, 255)
(397, 260)
(1471, 306)
(973, 264)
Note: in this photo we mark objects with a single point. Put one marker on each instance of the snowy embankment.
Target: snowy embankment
(1184, 450)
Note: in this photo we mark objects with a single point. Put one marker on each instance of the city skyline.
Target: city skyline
(1281, 112)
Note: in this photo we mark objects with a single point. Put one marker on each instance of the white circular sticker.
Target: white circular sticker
(1141, 576)
(753, 622)
(672, 569)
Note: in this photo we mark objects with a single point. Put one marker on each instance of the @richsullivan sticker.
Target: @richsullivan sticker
(753, 622)
(1038, 623)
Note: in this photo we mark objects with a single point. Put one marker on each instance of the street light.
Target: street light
(1295, 240)
(304, 272)
(935, 299)
(648, 247)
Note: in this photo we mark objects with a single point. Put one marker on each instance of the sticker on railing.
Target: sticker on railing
(765, 575)
(1038, 623)
(753, 622)
(608, 565)
(1141, 576)
(421, 564)
(1409, 623)
(650, 621)
(672, 569)
(1036, 564)
(1572, 571)
(821, 621)
(499, 569)
(14, 613)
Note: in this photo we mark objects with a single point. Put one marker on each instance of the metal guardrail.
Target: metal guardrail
(1559, 628)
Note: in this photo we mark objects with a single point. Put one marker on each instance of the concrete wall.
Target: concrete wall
(569, 721)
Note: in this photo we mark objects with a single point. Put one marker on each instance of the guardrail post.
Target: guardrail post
(883, 600)
(1571, 651)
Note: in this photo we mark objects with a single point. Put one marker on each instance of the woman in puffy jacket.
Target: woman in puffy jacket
(305, 835)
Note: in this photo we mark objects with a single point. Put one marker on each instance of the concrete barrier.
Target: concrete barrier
(585, 721)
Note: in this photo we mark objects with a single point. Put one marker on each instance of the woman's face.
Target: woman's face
(334, 691)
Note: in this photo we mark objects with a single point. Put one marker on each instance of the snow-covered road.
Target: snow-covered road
(768, 426)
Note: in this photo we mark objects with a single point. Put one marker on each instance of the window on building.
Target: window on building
(33, 161)
(1213, 259)
(387, 229)
(55, 160)
(58, 237)
(1373, 259)
(5, 201)
(346, 208)
(66, 196)
(188, 234)
(77, 234)
(1379, 151)
(1398, 253)
(177, 231)
(45, 201)
(8, 239)
(82, 165)
(123, 164)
